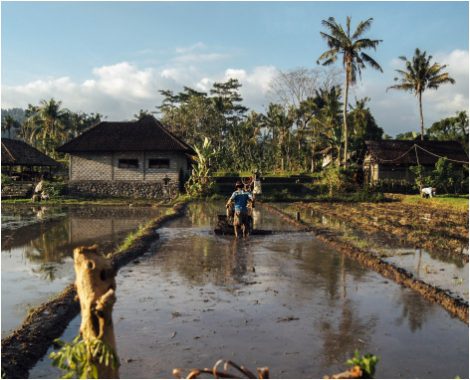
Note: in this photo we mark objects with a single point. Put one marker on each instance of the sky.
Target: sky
(114, 57)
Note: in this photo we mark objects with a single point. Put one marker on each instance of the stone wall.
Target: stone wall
(105, 167)
(17, 190)
(126, 189)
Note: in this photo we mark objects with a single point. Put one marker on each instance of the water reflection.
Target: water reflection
(286, 301)
(37, 245)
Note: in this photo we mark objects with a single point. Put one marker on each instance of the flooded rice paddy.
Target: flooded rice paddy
(37, 245)
(284, 301)
(444, 265)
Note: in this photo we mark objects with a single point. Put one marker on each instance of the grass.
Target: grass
(452, 202)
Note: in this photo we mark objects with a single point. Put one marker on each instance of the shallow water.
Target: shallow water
(284, 301)
(37, 245)
(436, 268)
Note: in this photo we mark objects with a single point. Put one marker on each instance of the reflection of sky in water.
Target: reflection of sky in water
(285, 301)
(445, 271)
(37, 245)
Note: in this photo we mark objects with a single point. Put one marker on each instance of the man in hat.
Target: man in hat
(240, 199)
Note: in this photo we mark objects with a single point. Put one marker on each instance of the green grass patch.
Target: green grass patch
(452, 202)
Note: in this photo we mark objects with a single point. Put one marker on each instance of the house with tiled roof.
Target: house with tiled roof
(132, 159)
(392, 159)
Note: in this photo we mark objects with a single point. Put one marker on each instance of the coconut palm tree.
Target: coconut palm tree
(47, 124)
(350, 46)
(420, 75)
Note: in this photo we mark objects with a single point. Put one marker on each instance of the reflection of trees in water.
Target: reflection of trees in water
(340, 335)
(205, 213)
(202, 260)
(47, 247)
(414, 309)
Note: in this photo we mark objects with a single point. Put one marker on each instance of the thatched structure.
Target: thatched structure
(18, 153)
(391, 159)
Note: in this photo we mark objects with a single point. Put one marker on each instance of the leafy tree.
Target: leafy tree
(142, 113)
(407, 136)
(451, 129)
(9, 123)
(46, 125)
(227, 100)
(350, 47)
(419, 75)
(363, 126)
(279, 121)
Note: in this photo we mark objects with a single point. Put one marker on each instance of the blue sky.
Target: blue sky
(113, 57)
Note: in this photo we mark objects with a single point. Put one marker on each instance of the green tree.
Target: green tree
(363, 127)
(46, 125)
(350, 47)
(420, 74)
(451, 129)
(279, 121)
(9, 123)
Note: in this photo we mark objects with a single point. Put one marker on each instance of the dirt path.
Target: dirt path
(27, 344)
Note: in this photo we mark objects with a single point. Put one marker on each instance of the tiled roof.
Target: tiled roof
(16, 152)
(146, 134)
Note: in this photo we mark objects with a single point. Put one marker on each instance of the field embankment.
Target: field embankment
(27, 344)
(430, 227)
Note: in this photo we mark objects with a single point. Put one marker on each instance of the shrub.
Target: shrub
(55, 189)
(6, 180)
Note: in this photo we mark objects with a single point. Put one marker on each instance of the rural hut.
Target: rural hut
(138, 159)
(23, 162)
(391, 159)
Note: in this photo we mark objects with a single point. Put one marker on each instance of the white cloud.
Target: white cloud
(121, 89)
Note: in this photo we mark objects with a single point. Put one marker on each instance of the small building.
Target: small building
(139, 159)
(391, 159)
(24, 162)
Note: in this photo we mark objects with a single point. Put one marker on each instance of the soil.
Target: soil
(27, 344)
(454, 305)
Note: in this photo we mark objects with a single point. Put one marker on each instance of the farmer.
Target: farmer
(240, 199)
(38, 190)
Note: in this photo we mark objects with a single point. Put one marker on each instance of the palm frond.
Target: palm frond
(362, 27)
(372, 62)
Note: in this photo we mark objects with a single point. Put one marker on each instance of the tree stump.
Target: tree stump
(96, 286)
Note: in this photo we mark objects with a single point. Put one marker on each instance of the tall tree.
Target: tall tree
(9, 123)
(47, 125)
(350, 46)
(363, 127)
(419, 75)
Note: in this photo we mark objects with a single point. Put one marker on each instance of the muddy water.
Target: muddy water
(37, 244)
(284, 301)
(438, 268)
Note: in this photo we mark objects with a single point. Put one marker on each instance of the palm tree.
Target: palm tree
(48, 125)
(419, 75)
(9, 123)
(351, 47)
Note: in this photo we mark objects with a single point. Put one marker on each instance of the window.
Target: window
(159, 163)
(128, 163)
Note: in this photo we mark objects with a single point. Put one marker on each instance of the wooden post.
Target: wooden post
(96, 286)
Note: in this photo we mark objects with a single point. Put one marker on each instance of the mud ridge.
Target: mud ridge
(26, 345)
(454, 305)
